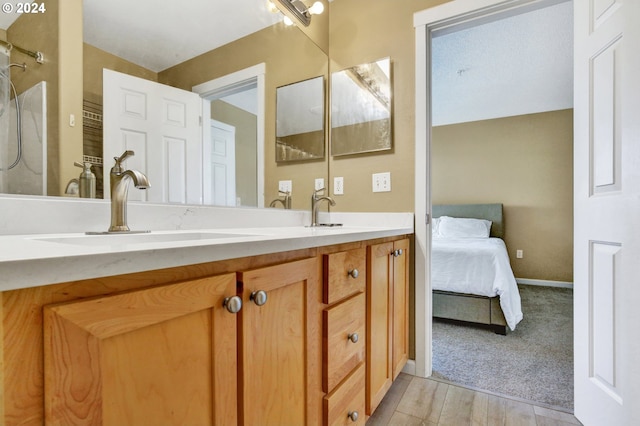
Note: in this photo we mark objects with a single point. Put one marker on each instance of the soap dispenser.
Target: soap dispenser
(87, 180)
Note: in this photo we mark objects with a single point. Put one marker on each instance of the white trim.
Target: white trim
(410, 367)
(544, 283)
(231, 82)
(422, 207)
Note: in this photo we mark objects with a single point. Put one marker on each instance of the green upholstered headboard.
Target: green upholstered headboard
(492, 212)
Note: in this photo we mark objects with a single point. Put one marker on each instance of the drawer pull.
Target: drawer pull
(397, 253)
(353, 337)
(353, 273)
(353, 415)
(233, 304)
(259, 297)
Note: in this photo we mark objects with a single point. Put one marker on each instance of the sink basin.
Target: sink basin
(140, 238)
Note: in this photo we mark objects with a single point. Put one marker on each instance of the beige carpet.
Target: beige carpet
(534, 362)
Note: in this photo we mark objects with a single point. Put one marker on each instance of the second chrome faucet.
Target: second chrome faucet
(315, 200)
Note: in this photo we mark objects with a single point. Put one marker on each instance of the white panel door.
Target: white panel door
(607, 212)
(219, 157)
(161, 124)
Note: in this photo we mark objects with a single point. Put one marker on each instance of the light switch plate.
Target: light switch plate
(338, 186)
(285, 186)
(319, 184)
(381, 182)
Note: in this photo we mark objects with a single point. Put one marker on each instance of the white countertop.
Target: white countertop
(35, 259)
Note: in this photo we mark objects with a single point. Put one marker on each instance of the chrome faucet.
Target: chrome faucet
(119, 180)
(286, 201)
(315, 200)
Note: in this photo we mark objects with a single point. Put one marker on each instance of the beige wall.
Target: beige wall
(69, 90)
(94, 60)
(290, 56)
(363, 31)
(526, 163)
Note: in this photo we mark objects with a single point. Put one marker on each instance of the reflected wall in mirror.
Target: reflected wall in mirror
(361, 109)
(244, 35)
(300, 120)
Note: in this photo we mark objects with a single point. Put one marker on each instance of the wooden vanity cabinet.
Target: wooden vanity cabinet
(400, 353)
(279, 345)
(387, 317)
(161, 355)
(161, 347)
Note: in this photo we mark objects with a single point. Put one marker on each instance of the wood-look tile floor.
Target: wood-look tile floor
(418, 401)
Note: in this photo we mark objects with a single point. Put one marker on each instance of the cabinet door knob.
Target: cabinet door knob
(259, 297)
(353, 273)
(353, 337)
(233, 304)
(353, 415)
(397, 253)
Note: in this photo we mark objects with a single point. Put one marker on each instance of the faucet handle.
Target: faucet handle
(124, 156)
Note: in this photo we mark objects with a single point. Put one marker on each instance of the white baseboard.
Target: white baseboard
(544, 283)
(410, 367)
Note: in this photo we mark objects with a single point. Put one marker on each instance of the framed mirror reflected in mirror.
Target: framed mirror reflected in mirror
(361, 109)
(300, 120)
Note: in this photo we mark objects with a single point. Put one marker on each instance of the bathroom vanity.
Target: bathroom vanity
(271, 325)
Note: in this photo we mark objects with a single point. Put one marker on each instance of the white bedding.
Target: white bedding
(477, 266)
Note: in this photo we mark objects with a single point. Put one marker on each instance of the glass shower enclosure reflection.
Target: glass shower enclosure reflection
(23, 165)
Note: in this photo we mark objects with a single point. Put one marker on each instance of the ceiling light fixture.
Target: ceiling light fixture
(300, 10)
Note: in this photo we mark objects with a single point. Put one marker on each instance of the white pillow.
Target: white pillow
(455, 227)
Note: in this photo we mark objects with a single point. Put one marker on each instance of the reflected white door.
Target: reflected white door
(607, 212)
(219, 166)
(161, 124)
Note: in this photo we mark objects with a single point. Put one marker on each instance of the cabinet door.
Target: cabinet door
(280, 344)
(379, 323)
(400, 305)
(163, 355)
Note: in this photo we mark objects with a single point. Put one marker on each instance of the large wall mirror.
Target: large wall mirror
(361, 109)
(136, 39)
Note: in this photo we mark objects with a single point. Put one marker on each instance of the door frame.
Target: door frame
(455, 13)
(233, 83)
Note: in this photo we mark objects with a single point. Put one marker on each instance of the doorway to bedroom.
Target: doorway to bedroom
(502, 132)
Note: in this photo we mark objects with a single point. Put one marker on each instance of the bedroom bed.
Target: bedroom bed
(471, 277)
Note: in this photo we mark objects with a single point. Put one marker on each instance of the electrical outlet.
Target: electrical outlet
(285, 186)
(338, 186)
(519, 254)
(319, 184)
(381, 182)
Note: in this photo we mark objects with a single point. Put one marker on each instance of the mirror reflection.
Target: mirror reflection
(74, 132)
(300, 120)
(361, 109)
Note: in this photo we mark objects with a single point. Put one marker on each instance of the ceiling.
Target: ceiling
(160, 35)
(518, 65)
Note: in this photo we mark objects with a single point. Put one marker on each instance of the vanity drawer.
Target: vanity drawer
(345, 405)
(344, 274)
(343, 340)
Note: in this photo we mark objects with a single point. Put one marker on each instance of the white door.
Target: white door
(607, 212)
(220, 165)
(161, 124)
